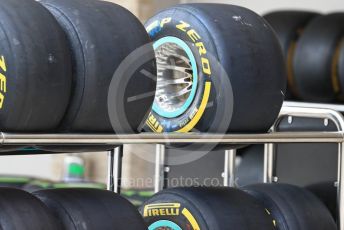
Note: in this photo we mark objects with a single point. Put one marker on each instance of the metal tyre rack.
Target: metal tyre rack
(290, 109)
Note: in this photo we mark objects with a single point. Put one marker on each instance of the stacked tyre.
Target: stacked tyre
(220, 70)
(22, 210)
(327, 193)
(262, 206)
(289, 27)
(67, 209)
(319, 77)
(35, 67)
(313, 46)
(100, 35)
(57, 59)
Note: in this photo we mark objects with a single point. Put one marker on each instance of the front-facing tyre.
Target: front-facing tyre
(206, 209)
(220, 69)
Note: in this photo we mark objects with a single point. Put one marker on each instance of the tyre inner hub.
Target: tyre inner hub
(174, 77)
(164, 225)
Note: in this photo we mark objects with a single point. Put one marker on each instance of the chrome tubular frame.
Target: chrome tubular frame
(311, 110)
(8, 139)
(322, 111)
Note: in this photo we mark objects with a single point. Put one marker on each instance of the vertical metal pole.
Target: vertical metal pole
(115, 169)
(269, 163)
(110, 183)
(118, 169)
(159, 168)
(340, 187)
(229, 170)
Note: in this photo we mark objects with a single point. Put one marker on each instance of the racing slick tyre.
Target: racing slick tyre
(21, 210)
(317, 70)
(292, 208)
(327, 193)
(35, 68)
(220, 69)
(289, 26)
(250, 166)
(101, 35)
(206, 209)
(91, 209)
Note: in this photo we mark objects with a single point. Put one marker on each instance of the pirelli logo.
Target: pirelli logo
(153, 123)
(163, 209)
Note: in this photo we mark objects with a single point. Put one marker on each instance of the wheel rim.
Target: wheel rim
(164, 225)
(176, 77)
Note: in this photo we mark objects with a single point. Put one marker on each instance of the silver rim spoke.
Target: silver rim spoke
(174, 73)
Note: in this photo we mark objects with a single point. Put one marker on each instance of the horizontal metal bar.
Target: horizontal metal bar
(336, 107)
(109, 139)
(321, 113)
